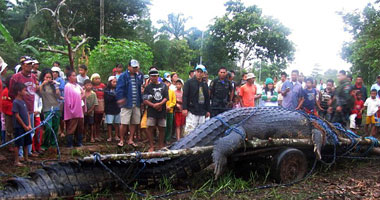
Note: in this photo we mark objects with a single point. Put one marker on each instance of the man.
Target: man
(325, 97)
(243, 78)
(196, 100)
(343, 102)
(360, 86)
(230, 77)
(279, 87)
(377, 86)
(301, 79)
(291, 92)
(128, 94)
(156, 96)
(35, 70)
(26, 77)
(191, 74)
(248, 92)
(221, 93)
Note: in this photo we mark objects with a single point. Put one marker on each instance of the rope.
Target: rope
(233, 128)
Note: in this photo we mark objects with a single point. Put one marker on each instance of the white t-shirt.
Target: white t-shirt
(372, 106)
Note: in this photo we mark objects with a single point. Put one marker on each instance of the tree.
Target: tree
(248, 35)
(175, 25)
(66, 35)
(363, 52)
(111, 51)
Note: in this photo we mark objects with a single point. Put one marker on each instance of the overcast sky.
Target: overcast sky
(317, 31)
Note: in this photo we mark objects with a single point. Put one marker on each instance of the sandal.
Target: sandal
(120, 144)
(19, 164)
(133, 144)
(92, 141)
(109, 140)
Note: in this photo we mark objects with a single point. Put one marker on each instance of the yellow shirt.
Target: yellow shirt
(172, 101)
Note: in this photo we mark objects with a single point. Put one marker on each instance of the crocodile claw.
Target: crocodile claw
(220, 163)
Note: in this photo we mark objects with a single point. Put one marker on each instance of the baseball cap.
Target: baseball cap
(36, 62)
(166, 74)
(166, 79)
(153, 72)
(181, 81)
(111, 78)
(134, 63)
(95, 75)
(25, 59)
(251, 75)
(56, 69)
(201, 67)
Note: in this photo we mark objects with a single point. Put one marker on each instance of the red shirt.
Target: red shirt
(6, 102)
(99, 90)
(359, 104)
(30, 83)
(248, 93)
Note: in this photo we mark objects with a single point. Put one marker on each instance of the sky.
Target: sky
(317, 30)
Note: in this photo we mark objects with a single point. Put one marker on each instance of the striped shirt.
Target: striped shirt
(134, 90)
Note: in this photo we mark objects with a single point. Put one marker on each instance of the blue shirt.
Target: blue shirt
(309, 98)
(377, 87)
(19, 107)
(290, 100)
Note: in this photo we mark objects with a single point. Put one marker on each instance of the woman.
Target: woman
(269, 96)
(73, 110)
(50, 94)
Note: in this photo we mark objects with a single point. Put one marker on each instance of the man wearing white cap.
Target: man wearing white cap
(128, 95)
(196, 100)
(248, 92)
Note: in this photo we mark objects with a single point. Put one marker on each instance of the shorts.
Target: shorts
(74, 126)
(371, 120)
(179, 119)
(113, 119)
(24, 141)
(89, 120)
(130, 115)
(156, 122)
(144, 119)
(98, 117)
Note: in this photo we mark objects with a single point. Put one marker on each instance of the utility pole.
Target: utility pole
(200, 58)
(101, 32)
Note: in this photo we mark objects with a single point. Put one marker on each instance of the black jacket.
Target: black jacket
(110, 102)
(191, 95)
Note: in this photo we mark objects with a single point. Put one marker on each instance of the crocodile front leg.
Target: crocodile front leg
(225, 147)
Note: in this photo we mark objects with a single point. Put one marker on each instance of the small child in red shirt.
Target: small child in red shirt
(356, 112)
(98, 88)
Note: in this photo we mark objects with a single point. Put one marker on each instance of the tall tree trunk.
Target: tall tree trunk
(101, 32)
(71, 56)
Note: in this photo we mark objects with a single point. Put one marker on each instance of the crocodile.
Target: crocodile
(226, 132)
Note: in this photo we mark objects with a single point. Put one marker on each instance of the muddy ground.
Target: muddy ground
(347, 179)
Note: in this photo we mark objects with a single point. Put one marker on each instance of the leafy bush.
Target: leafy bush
(111, 51)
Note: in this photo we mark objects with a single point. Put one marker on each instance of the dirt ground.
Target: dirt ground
(347, 179)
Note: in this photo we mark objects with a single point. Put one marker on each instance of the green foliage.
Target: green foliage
(48, 58)
(111, 51)
(268, 70)
(175, 25)
(248, 35)
(364, 51)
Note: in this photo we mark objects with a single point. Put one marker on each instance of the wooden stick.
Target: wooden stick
(251, 144)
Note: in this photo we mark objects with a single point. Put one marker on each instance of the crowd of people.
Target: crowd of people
(137, 107)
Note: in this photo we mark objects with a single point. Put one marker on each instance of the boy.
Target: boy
(169, 111)
(91, 102)
(356, 114)
(308, 100)
(82, 75)
(155, 97)
(178, 117)
(21, 123)
(372, 105)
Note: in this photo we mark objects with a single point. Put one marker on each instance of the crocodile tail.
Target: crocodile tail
(63, 180)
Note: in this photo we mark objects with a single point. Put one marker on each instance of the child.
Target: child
(169, 111)
(91, 103)
(119, 70)
(98, 88)
(178, 117)
(309, 99)
(21, 123)
(7, 111)
(82, 74)
(111, 108)
(37, 137)
(372, 105)
(356, 114)
(236, 102)
(269, 96)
